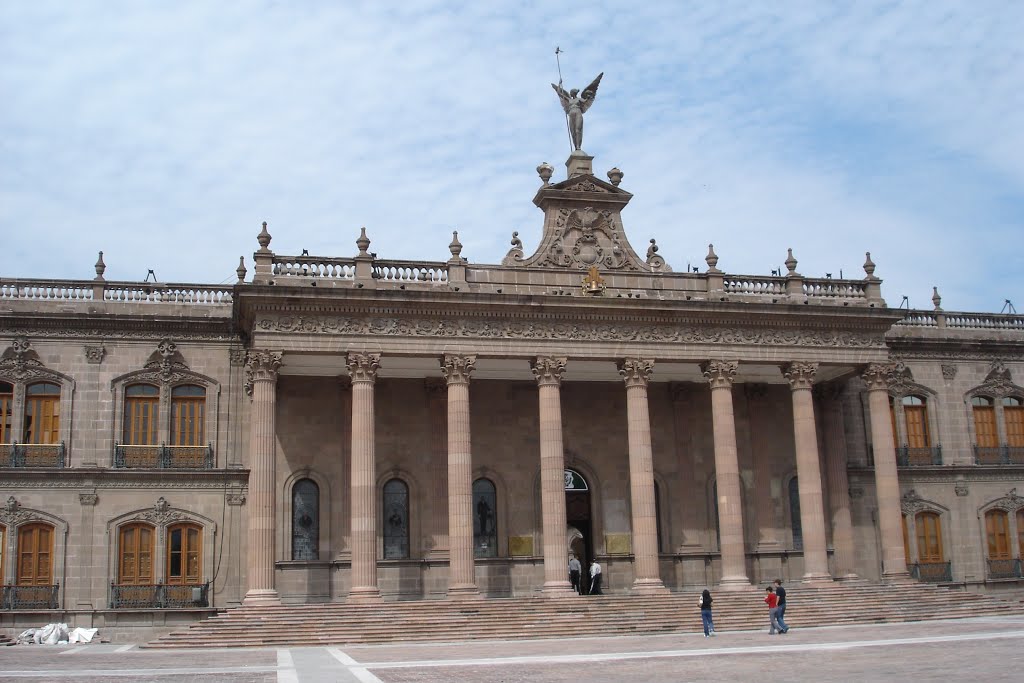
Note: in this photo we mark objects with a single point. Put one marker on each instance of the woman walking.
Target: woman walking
(772, 601)
(705, 613)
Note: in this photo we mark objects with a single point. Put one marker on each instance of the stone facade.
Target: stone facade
(379, 429)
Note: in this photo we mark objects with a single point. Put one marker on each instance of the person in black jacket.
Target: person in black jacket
(780, 593)
(705, 613)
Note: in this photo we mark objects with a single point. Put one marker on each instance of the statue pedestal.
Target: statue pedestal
(579, 163)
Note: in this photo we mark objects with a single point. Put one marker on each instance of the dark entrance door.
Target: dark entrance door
(577, 516)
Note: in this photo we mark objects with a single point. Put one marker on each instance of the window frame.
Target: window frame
(35, 526)
(188, 548)
(388, 512)
(121, 533)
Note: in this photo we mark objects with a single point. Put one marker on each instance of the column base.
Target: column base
(364, 594)
(261, 596)
(816, 578)
(557, 589)
(734, 583)
(897, 577)
(649, 587)
(847, 577)
(463, 591)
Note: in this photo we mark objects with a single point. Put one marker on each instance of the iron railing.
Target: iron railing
(33, 455)
(1004, 569)
(163, 457)
(918, 457)
(932, 572)
(159, 596)
(30, 597)
(999, 455)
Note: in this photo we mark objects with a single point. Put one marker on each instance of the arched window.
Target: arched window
(42, 413)
(6, 412)
(794, 514)
(135, 555)
(485, 519)
(188, 415)
(929, 537)
(915, 415)
(35, 555)
(997, 531)
(184, 554)
(985, 432)
(1013, 418)
(305, 520)
(396, 520)
(141, 415)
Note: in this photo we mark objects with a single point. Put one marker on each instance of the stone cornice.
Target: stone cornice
(92, 327)
(96, 479)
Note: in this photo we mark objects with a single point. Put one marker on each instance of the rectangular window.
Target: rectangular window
(184, 547)
(917, 426)
(6, 411)
(929, 537)
(1013, 416)
(35, 550)
(136, 566)
(985, 427)
(187, 417)
(42, 417)
(997, 529)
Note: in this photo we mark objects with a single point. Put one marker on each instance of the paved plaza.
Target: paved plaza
(983, 649)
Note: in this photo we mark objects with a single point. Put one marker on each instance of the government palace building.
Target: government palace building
(353, 428)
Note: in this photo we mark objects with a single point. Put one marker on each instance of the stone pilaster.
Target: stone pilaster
(548, 372)
(462, 579)
(437, 412)
(261, 382)
(887, 485)
(647, 574)
(837, 483)
(720, 376)
(800, 376)
(362, 368)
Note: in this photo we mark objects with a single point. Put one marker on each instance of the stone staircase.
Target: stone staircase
(539, 617)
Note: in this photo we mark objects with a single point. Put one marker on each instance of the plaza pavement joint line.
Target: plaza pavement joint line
(286, 672)
(358, 670)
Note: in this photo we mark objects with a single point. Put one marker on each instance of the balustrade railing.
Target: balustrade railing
(410, 271)
(752, 284)
(134, 292)
(963, 321)
(836, 289)
(314, 267)
(62, 290)
(932, 572)
(159, 596)
(907, 456)
(145, 456)
(30, 597)
(1004, 569)
(999, 455)
(44, 455)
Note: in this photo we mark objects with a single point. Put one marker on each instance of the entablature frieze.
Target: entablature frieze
(96, 328)
(94, 479)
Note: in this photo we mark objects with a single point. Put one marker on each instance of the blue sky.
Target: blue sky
(163, 133)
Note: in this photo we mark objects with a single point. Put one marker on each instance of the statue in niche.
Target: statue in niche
(483, 513)
(575, 104)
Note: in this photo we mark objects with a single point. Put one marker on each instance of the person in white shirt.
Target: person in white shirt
(595, 578)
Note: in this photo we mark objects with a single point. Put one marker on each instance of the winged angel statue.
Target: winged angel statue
(575, 104)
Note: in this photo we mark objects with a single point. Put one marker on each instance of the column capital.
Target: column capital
(457, 369)
(548, 370)
(636, 371)
(800, 374)
(877, 376)
(720, 373)
(261, 366)
(362, 367)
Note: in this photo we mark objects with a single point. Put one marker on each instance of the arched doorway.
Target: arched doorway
(578, 522)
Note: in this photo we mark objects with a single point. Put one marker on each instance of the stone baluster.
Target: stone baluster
(647, 573)
(261, 384)
(720, 375)
(800, 376)
(362, 368)
(548, 372)
(461, 580)
(887, 485)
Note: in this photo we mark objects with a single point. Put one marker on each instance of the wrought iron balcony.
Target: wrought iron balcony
(163, 457)
(30, 597)
(1004, 569)
(159, 596)
(932, 572)
(32, 455)
(999, 455)
(918, 457)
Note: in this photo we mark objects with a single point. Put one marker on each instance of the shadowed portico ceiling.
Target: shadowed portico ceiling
(329, 365)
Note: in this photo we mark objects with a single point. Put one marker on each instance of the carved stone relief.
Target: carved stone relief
(94, 354)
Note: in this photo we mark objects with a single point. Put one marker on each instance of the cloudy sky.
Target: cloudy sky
(163, 133)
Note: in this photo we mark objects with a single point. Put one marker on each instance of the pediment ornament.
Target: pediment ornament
(22, 363)
(12, 514)
(998, 383)
(1011, 502)
(901, 381)
(913, 503)
(161, 513)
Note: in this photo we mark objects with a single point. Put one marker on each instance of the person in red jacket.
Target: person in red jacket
(772, 601)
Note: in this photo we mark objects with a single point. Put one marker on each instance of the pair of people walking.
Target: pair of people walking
(775, 598)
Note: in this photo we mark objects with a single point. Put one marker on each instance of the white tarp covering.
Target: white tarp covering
(53, 634)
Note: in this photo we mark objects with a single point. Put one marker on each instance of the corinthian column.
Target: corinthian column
(261, 384)
(720, 375)
(887, 485)
(362, 368)
(837, 482)
(461, 579)
(805, 436)
(636, 374)
(548, 372)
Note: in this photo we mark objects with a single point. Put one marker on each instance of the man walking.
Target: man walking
(780, 593)
(574, 573)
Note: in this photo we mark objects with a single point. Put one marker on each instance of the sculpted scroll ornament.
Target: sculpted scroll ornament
(1011, 502)
(913, 503)
(548, 370)
(12, 514)
(636, 372)
(720, 373)
(998, 383)
(22, 363)
(261, 366)
(800, 375)
(457, 369)
(161, 514)
(362, 367)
